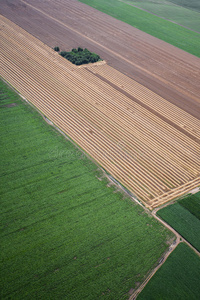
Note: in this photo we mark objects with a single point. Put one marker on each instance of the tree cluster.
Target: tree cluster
(57, 49)
(79, 56)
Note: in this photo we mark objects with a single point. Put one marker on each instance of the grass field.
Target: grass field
(180, 14)
(182, 218)
(177, 279)
(64, 233)
(192, 204)
(167, 31)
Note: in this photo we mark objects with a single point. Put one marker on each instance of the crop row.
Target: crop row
(151, 99)
(126, 41)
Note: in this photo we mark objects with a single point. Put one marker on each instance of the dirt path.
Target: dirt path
(178, 240)
(179, 237)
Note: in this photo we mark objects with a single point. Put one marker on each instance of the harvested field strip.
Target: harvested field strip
(185, 188)
(185, 115)
(172, 112)
(166, 145)
(144, 114)
(142, 151)
(151, 179)
(154, 170)
(42, 53)
(152, 53)
(106, 88)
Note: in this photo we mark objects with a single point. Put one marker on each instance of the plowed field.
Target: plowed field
(168, 71)
(150, 145)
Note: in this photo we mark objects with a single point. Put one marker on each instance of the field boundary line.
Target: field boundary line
(182, 239)
(179, 239)
(106, 174)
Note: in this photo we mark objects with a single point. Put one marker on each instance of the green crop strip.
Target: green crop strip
(183, 222)
(192, 204)
(178, 278)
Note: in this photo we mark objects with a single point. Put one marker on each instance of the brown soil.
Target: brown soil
(164, 69)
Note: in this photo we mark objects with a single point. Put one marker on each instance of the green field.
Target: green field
(192, 204)
(180, 216)
(165, 30)
(177, 279)
(170, 11)
(64, 233)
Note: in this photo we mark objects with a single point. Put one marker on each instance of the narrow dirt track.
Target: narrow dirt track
(164, 69)
(139, 142)
(178, 240)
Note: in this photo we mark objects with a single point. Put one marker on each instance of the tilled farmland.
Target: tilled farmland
(145, 142)
(167, 70)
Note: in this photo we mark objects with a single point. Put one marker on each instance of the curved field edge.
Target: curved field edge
(183, 221)
(173, 34)
(64, 232)
(177, 278)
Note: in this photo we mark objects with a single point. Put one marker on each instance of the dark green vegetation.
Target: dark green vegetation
(192, 204)
(184, 218)
(80, 56)
(177, 279)
(57, 49)
(64, 233)
(165, 30)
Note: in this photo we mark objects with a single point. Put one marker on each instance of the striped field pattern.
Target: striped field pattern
(148, 144)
